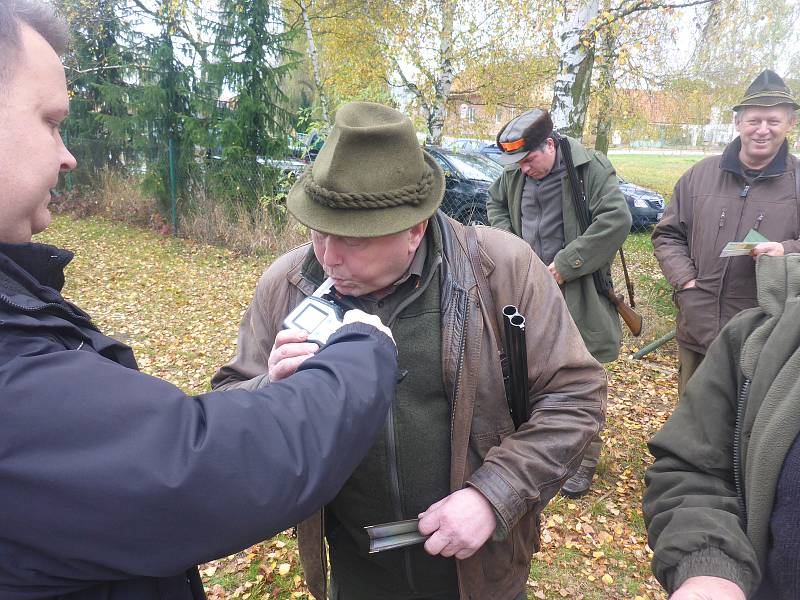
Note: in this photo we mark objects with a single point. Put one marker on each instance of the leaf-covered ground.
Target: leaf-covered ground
(179, 304)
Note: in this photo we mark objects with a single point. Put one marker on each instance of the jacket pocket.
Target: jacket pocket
(698, 314)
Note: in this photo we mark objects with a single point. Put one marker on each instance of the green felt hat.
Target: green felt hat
(767, 89)
(370, 178)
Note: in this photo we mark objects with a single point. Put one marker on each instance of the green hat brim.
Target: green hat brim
(768, 102)
(371, 222)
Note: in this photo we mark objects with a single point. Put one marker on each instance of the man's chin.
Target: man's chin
(41, 222)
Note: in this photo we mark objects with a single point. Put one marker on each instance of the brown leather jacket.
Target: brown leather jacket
(711, 206)
(518, 472)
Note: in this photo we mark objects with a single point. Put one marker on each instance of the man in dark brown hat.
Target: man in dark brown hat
(450, 453)
(533, 199)
(753, 186)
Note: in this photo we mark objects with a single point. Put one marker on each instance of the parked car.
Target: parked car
(646, 206)
(466, 145)
(467, 181)
(491, 151)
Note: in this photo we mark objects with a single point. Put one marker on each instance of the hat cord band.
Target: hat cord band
(775, 93)
(408, 195)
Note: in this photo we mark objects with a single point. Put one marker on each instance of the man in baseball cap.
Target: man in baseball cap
(533, 199)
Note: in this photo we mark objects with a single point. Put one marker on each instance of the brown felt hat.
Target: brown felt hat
(370, 178)
(767, 89)
(522, 134)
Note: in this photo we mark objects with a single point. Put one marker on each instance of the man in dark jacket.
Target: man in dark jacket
(753, 185)
(533, 199)
(450, 451)
(114, 484)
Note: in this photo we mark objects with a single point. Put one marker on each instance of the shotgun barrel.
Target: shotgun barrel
(517, 353)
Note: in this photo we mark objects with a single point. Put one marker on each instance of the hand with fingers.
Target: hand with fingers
(458, 525)
(288, 352)
(355, 315)
(768, 248)
(708, 588)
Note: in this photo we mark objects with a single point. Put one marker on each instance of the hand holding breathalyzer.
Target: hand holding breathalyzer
(308, 327)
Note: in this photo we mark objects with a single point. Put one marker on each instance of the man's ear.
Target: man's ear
(415, 236)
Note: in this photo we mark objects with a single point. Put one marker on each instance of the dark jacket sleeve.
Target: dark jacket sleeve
(671, 235)
(690, 503)
(108, 473)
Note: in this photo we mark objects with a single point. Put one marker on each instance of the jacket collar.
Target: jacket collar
(43, 263)
(32, 276)
(730, 160)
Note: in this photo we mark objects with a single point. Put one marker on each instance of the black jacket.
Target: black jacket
(114, 484)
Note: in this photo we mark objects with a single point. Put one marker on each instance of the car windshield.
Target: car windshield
(475, 167)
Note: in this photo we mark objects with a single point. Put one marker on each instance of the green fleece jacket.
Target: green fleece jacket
(698, 521)
(584, 254)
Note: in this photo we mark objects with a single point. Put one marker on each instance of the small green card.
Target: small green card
(754, 236)
(743, 248)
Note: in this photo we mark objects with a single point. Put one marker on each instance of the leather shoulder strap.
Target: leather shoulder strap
(483, 285)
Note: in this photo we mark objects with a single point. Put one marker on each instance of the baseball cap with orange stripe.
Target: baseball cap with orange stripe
(522, 134)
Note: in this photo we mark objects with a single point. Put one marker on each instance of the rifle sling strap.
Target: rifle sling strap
(582, 211)
(484, 292)
(487, 299)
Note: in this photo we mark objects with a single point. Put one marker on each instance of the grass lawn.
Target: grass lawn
(658, 172)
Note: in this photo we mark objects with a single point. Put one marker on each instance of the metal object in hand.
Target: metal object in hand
(398, 534)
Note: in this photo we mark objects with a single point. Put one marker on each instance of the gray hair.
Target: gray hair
(38, 16)
(791, 114)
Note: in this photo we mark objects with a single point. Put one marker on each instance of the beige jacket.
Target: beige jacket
(518, 472)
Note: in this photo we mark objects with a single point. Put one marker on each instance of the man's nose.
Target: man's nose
(68, 161)
(331, 256)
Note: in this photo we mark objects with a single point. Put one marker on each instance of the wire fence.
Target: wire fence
(184, 181)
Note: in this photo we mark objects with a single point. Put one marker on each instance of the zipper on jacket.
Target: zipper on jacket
(45, 306)
(722, 219)
(744, 192)
(758, 220)
(737, 449)
(459, 371)
(394, 482)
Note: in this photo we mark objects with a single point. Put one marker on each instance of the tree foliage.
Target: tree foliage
(251, 49)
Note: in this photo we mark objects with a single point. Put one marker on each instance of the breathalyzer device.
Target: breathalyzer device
(318, 314)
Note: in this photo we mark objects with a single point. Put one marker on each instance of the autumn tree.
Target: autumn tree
(586, 30)
(737, 39)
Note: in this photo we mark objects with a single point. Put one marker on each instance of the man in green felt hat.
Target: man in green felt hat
(449, 453)
(751, 191)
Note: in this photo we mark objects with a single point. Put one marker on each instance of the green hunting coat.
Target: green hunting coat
(703, 519)
(582, 255)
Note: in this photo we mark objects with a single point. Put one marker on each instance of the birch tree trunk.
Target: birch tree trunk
(606, 91)
(312, 52)
(571, 89)
(436, 111)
